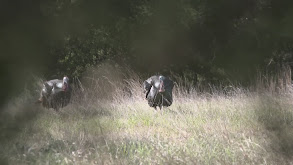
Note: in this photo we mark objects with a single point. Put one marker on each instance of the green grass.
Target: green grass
(245, 128)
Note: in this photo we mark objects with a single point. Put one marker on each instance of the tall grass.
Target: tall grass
(109, 122)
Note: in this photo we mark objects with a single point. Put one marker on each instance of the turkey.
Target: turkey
(158, 91)
(55, 93)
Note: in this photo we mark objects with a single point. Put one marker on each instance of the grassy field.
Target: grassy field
(238, 127)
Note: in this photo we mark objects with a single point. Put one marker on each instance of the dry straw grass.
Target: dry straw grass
(109, 122)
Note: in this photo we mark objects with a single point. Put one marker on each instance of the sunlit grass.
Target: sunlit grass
(235, 130)
(240, 128)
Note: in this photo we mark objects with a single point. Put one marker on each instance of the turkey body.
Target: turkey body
(158, 90)
(55, 94)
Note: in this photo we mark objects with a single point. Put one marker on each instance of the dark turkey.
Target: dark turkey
(158, 90)
(55, 93)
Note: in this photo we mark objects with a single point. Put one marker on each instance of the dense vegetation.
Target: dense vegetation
(210, 38)
(213, 40)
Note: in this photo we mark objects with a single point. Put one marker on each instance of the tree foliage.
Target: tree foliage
(210, 40)
(213, 39)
